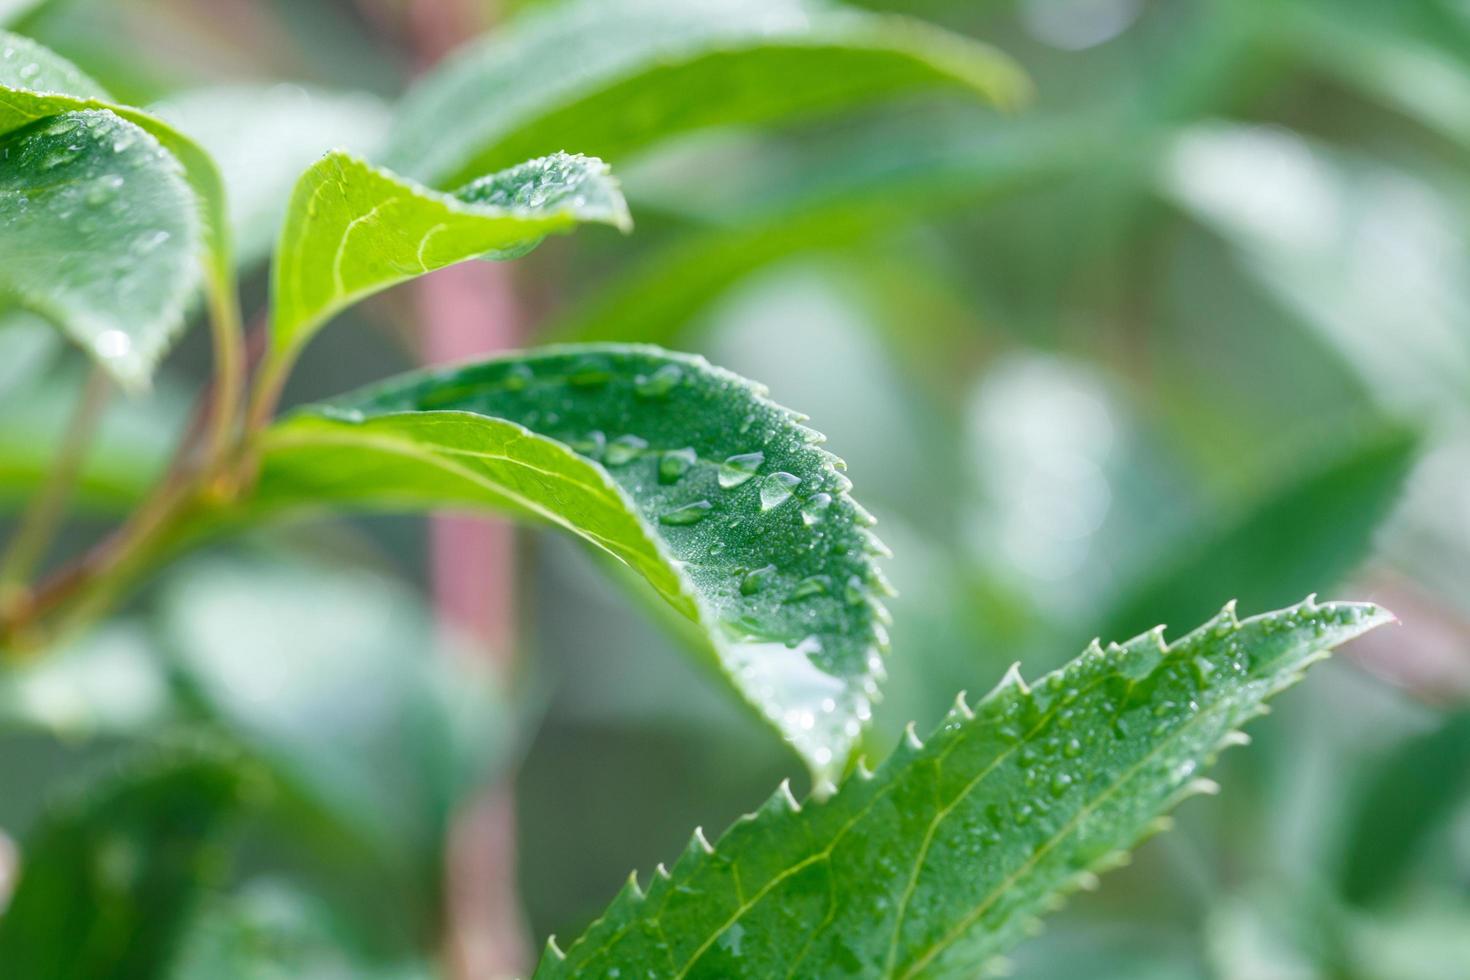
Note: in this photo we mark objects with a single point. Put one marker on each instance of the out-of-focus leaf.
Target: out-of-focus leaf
(110, 682)
(338, 681)
(133, 444)
(1371, 258)
(36, 84)
(1402, 800)
(11, 11)
(876, 187)
(1312, 530)
(610, 78)
(27, 346)
(101, 236)
(1412, 57)
(354, 229)
(270, 931)
(109, 877)
(264, 137)
(941, 861)
(719, 498)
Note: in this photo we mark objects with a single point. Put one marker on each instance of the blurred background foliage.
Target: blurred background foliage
(1194, 325)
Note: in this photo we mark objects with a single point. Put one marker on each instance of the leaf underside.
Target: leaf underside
(944, 858)
(612, 78)
(353, 229)
(719, 498)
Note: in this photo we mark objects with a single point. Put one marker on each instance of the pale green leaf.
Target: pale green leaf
(101, 236)
(36, 84)
(613, 77)
(11, 11)
(944, 858)
(354, 229)
(716, 496)
(274, 650)
(105, 683)
(264, 137)
(1344, 243)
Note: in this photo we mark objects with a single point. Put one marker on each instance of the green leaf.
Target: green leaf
(1402, 801)
(685, 472)
(272, 931)
(108, 878)
(1313, 529)
(613, 77)
(104, 683)
(271, 650)
(36, 84)
(264, 137)
(354, 229)
(101, 236)
(1313, 237)
(882, 186)
(12, 11)
(944, 858)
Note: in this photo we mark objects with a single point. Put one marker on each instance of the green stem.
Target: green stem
(46, 509)
(229, 368)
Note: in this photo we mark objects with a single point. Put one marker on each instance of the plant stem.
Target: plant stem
(43, 515)
(229, 369)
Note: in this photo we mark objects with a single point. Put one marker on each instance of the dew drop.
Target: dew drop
(149, 241)
(686, 515)
(29, 71)
(777, 488)
(659, 383)
(589, 374)
(517, 378)
(624, 449)
(674, 464)
(738, 469)
(1059, 784)
(757, 580)
(112, 344)
(815, 509)
(812, 585)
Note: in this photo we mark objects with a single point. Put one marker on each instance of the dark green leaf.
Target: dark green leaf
(108, 878)
(877, 189)
(942, 859)
(613, 77)
(687, 473)
(1404, 798)
(1314, 529)
(354, 229)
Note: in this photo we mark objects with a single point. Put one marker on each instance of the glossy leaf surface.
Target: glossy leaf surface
(36, 84)
(940, 861)
(110, 876)
(354, 229)
(101, 236)
(611, 78)
(719, 498)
